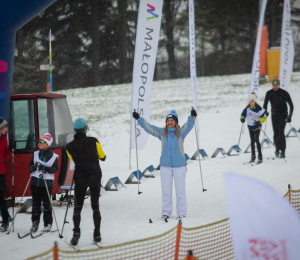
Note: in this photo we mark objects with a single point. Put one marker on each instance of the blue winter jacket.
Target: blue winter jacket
(172, 152)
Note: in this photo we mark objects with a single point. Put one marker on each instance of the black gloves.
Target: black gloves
(257, 123)
(135, 115)
(288, 119)
(243, 120)
(193, 112)
(32, 168)
(12, 146)
(267, 113)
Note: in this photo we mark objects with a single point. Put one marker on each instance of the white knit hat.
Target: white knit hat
(252, 97)
(48, 138)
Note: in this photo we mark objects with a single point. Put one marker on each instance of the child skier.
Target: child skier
(43, 164)
(172, 160)
(4, 153)
(255, 117)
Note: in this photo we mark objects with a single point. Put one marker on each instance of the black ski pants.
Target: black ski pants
(80, 191)
(3, 205)
(40, 194)
(254, 136)
(278, 122)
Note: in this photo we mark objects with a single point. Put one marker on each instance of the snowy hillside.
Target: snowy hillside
(125, 214)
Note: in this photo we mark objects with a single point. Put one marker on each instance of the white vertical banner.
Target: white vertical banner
(146, 44)
(254, 84)
(192, 38)
(286, 48)
(263, 224)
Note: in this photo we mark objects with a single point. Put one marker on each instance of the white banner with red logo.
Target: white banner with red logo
(287, 48)
(254, 84)
(263, 224)
(193, 71)
(146, 44)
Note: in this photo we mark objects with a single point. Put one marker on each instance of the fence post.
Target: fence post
(178, 239)
(55, 251)
(289, 186)
(190, 255)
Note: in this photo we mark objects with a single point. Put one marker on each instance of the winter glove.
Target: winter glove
(267, 113)
(32, 168)
(243, 120)
(47, 169)
(12, 146)
(135, 115)
(193, 112)
(257, 123)
(288, 119)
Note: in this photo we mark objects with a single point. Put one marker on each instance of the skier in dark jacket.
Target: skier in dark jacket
(86, 152)
(43, 164)
(279, 99)
(4, 154)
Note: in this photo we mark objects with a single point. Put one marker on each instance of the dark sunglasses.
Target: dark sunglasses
(42, 142)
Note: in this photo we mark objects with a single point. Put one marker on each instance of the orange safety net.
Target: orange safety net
(208, 242)
(212, 241)
(293, 196)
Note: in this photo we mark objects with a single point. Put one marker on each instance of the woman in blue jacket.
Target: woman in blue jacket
(255, 117)
(172, 160)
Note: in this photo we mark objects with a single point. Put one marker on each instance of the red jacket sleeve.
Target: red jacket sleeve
(7, 153)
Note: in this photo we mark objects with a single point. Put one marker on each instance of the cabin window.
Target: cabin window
(22, 125)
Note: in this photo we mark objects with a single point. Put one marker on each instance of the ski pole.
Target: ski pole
(240, 136)
(68, 205)
(137, 162)
(294, 132)
(14, 216)
(13, 185)
(59, 235)
(199, 155)
(271, 142)
(264, 136)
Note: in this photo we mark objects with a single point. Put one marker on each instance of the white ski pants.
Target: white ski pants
(166, 176)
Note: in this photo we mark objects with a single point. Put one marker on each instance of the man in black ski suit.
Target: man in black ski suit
(86, 152)
(278, 99)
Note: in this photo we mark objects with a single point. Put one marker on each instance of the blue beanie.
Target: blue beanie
(80, 125)
(173, 115)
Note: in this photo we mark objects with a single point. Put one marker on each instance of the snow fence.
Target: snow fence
(212, 241)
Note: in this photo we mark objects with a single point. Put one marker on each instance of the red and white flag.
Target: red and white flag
(263, 224)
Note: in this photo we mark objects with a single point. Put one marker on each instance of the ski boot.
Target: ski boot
(4, 226)
(252, 158)
(277, 152)
(35, 226)
(75, 238)
(97, 236)
(180, 217)
(47, 228)
(260, 159)
(164, 217)
(282, 155)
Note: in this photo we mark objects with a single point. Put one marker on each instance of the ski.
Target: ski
(40, 234)
(256, 163)
(72, 246)
(26, 235)
(96, 243)
(166, 220)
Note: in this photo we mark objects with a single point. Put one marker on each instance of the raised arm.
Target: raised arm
(151, 129)
(187, 127)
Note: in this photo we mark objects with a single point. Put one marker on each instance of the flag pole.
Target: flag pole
(50, 61)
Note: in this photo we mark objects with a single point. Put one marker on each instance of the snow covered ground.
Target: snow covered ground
(125, 214)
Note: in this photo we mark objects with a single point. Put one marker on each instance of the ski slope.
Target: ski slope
(125, 214)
